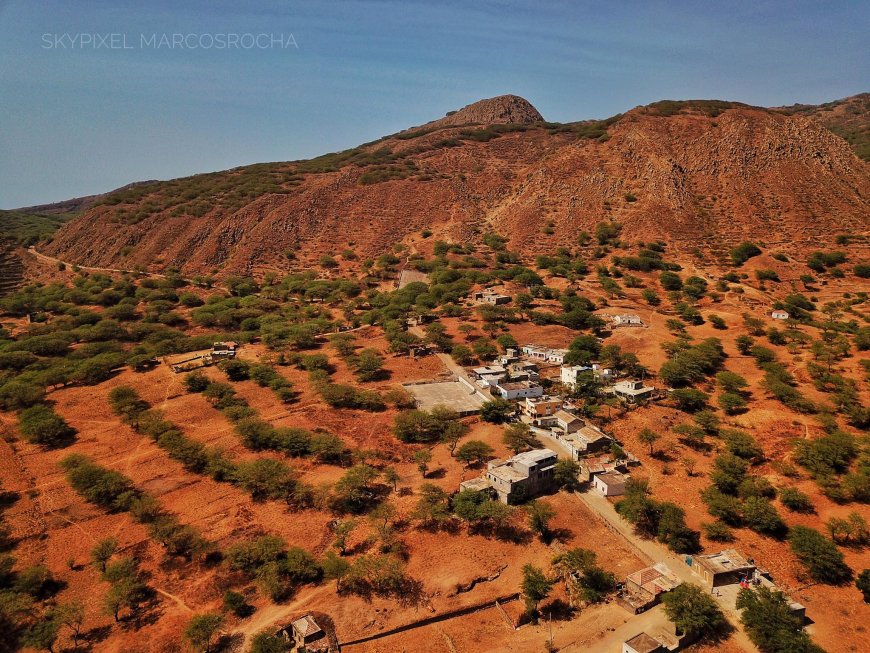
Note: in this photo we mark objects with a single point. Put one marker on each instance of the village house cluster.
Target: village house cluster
(516, 376)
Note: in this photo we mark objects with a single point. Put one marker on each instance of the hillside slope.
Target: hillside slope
(697, 174)
(848, 118)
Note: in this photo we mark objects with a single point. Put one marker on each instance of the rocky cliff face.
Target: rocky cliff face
(691, 178)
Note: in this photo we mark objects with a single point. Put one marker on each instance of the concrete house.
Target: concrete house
(544, 354)
(628, 319)
(567, 422)
(631, 391)
(489, 297)
(610, 484)
(511, 390)
(779, 315)
(724, 568)
(224, 349)
(540, 407)
(524, 476)
(569, 373)
(489, 375)
(307, 636)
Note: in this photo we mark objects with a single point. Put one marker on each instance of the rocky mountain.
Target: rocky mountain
(699, 174)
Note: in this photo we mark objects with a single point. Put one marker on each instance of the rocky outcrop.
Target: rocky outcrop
(503, 109)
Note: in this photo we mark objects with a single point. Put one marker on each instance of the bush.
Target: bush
(718, 532)
(760, 515)
(795, 500)
(41, 425)
(819, 555)
(743, 252)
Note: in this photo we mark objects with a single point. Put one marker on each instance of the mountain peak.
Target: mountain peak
(501, 109)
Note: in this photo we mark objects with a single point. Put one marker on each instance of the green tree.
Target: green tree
(423, 457)
(536, 587)
(648, 437)
(201, 630)
(693, 611)
(770, 623)
(863, 584)
(70, 616)
(732, 403)
(540, 515)
(565, 473)
(103, 552)
(42, 635)
(474, 452)
(496, 410)
(819, 555)
(519, 437)
(369, 365)
(432, 507)
(268, 642)
(41, 425)
(342, 531)
(731, 381)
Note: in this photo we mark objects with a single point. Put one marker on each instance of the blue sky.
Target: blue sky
(86, 120)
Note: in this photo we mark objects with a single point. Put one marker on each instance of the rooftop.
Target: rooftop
(612, 478)
(565, 416)
(643, 643)
(725, 561)
(533, 456)
(306, 626)
(517, 385)
(592, 434)
(656, 579)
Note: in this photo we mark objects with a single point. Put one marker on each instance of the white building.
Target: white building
(545, 354)
(568, 375)
(511, 390)
(632, 390)
(779, 315)
(628, 319)
(610, 484)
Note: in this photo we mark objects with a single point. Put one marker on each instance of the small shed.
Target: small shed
(642, 643)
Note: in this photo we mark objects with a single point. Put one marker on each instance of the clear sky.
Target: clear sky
(85, 119)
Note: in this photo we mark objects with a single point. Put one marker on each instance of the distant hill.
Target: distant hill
(29, 228)
(30, 224)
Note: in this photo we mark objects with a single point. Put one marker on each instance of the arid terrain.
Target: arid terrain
(702, 219)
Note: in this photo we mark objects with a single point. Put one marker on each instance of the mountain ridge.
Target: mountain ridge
(705, 172)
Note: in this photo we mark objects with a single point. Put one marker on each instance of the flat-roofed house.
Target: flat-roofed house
(779, 315)
(490, 297)
(224, 349)
(511, 390)
(544, 354)
(540, 407)
(727, 567)
(523, 476)
(626, 319)
(632, 390)
(610, 484)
